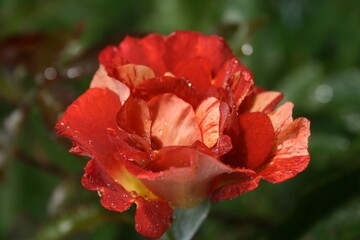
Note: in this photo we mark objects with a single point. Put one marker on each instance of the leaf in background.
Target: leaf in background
(342, 224)
(78, 221)
(9, 137)
(320, 202)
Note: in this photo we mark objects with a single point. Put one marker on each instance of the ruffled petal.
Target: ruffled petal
(208, 115)
(266, 101)
(134, 117)
(183, 45)
(147, 51)
(184, 176)
(112, 196)
(197, 70)
(86, 122)
(282, 116)
(178, 86)
(233, 190)
(153, 217)
(289, 155)
(110, 56)
(174, 122)
(102, 80)
(237, 77)
(132, 75)
(223, 145)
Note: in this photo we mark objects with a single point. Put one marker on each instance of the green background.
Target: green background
(309, 49)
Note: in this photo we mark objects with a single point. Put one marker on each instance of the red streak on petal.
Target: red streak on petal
(208, 115)
(265, 102)
(289, 155)
(132, 75)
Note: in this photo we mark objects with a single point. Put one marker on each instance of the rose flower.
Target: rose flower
(169, 121)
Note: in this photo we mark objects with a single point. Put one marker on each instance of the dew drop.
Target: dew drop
(189, 84)
(165, 123)
(160, 132)
(62, 124)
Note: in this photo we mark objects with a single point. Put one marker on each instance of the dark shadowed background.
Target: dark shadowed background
(310, 50)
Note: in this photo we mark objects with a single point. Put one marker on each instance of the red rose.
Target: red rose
(172, 120)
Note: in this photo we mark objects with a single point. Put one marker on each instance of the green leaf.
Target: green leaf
(188, 221)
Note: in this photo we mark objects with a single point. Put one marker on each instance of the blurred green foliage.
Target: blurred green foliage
(310, 50)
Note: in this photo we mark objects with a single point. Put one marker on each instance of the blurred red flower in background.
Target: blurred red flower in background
(171, 120)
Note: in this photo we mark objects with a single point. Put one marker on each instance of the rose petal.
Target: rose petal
(197, 70)
(102, 80)
(134, 117)
(234, 189)
(174, 121)
(110, 56)
(132, 75)
(178, 86)
(113, 196)
(86, 122)
(153, 217)
(255, 139)
(131, 147)
(281, 116)
(183, 45)
(208, 115)
(237, 77)
(223, 146)
(290, 155)
(147, 51)
(265, 102)
(185, 175)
